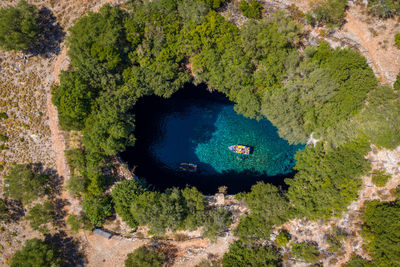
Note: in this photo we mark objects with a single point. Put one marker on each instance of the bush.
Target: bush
(380, 178)
(97, 208)
(36, 252)
(213, 3)
(3, 138)
(330, 12)
(397, 40)
(25, 184)
(40, 215)
(3, 115)
(18, 26)
(77, 185)
(305, 251)
(145, 257)
(76, 223)
(357, 261)
(381, 232)
(384, 8)
(282, 239)
(251, 9)
(327, 181)
(216, 222)
(123, 195)
(73, 100)
(268, 207)
(241, 254)
(4, 212)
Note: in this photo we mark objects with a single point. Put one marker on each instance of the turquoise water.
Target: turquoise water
(202, 133)
(195, 126)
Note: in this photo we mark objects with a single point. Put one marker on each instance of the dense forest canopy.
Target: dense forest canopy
(19, 29)
(267, 69)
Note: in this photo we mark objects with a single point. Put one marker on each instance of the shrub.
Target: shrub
(18, 26)
(36, 252)
(380, 178)
(145, 257)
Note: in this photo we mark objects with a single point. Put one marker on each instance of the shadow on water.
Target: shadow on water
(159, 164)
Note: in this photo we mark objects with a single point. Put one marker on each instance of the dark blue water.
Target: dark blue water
(196, 126)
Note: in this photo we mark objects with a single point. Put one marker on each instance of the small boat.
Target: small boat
(188, 167)
(241, 149)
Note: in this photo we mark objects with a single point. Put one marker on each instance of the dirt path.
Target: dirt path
(57, 135)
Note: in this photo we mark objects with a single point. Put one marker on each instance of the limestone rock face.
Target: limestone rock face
(220, 199)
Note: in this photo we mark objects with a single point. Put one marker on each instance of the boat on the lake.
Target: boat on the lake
(241, 149)
(188, 167)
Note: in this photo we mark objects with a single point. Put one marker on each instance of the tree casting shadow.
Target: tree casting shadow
(51, 35)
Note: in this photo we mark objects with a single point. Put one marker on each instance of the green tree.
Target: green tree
(23, 183)
(160, 211)
(123, 195)
(380, 120)
(109, 129)
(251, 9)
(357, 261)
(40, 215)
(383, 8)
(282, 239)
(216, 221)
(73, 100)
(97, 208)
(381, 232)
(241, 254)
(380, 178)
(4, 212)
(213, 3)
(36, 253)
(145, 257)
(97, 47)
(268, 208)
(18, 26)
(327, 181)
(397, 40)
(195, 207)
(77, 185)
(330, 12)
(76, 222)
(305, 251)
